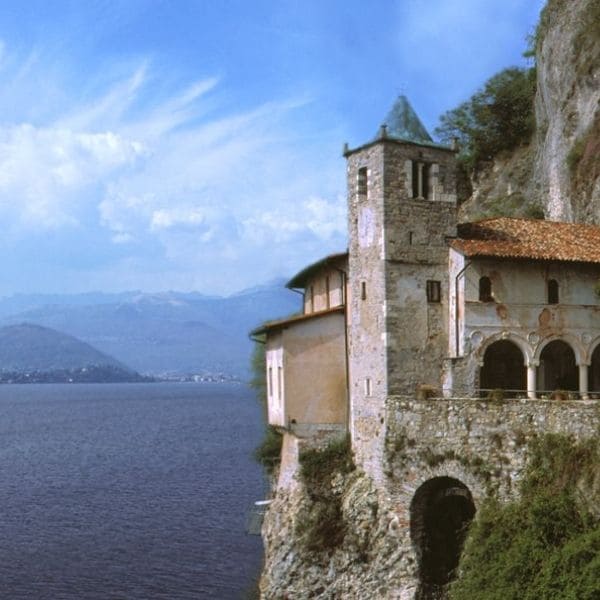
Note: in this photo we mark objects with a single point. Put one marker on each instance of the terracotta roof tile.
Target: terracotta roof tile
(533, 239)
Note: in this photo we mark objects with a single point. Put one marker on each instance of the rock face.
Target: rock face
(559, 171)
(567, 144)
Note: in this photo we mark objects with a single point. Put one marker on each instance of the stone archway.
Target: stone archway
(503, 367)
(558, 369)
(594, 377)
(440, 513)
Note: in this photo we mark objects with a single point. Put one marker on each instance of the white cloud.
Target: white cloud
(190, 191)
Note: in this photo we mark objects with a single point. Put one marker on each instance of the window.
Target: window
(363, 290)
(420, 179)
(485, 290)
(327, 300)
(368, 390)
(362, 184)
(552, 291)
(270, 383)
(434, 292)
(280, 382)
(411, 237)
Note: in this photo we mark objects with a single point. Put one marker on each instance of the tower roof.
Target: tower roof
(403, 123)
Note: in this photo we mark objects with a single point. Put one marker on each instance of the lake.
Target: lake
(133, 491)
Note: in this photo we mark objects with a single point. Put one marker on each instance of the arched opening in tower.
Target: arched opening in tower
(595, 371)
(557, 369)
(503, 367)
(440, 514)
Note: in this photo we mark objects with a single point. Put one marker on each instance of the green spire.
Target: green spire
(402, 123)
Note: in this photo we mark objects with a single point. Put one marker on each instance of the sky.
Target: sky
(197, 144)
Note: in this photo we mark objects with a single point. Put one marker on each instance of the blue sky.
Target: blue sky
(196, 145)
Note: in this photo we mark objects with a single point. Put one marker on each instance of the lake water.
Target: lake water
(132, 491)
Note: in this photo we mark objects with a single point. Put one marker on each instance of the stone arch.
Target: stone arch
(503, 367)
(557, 368)
(516, 339)
(572, 341)
(441, 511)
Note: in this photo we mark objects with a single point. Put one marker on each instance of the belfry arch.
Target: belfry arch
(440, 514)
(503, 367)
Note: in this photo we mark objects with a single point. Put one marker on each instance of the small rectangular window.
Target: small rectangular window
(363, 290)
(552, 291)
(368, 390)
(279, 383)
(434, 292)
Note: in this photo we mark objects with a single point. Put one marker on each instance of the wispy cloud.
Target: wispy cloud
(179, 171)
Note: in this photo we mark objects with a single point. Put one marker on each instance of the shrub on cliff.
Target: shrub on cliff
(321, 527)
(498, 117)
(546, 545)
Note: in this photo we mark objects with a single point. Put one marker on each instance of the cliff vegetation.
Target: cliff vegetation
(547, 544)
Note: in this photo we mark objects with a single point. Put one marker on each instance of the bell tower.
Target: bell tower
(402, 209)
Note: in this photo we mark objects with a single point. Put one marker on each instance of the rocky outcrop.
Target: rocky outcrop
(567, 142)
(558, 174)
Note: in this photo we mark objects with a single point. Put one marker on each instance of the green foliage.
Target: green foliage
(498, 117)
(318, 464)
(544, 546)
(258, 372)
(321, 528)
(268, 452)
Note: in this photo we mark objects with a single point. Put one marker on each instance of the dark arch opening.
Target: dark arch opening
(557, 370)
(594, 378)
(503, 367)
(440, 514)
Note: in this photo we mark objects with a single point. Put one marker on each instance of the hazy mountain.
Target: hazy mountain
(27, 347)
(160, 333)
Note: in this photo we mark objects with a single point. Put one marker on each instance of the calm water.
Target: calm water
(127, 491)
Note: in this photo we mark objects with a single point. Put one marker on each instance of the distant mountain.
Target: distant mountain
(164, 333)
(34, 353)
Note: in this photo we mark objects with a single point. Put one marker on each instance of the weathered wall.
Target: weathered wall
(520, 313)
(325, 290)
(312, 354)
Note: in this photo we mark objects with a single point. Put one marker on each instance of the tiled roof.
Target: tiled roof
(533, 239)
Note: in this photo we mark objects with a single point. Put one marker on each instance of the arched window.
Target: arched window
(362, 184)
(485, 290)
(552, 291)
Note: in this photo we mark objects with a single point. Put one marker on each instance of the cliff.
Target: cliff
(559, 170)
(567, 108)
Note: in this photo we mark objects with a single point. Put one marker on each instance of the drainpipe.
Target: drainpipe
(457, 329)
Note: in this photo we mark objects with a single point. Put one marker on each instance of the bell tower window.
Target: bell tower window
(362, 183)
(420, 180)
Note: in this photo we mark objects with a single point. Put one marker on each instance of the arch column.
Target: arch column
(532, 378)
(583, 380)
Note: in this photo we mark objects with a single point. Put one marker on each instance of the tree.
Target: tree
(498, 117)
